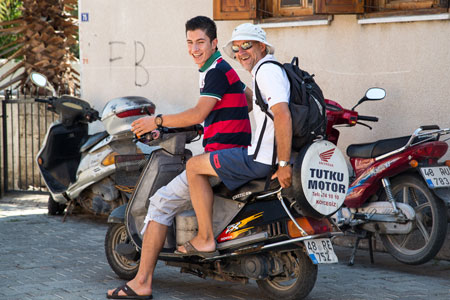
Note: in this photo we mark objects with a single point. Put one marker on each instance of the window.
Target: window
(339, 6)
(257, 9)
(401, 4)
(290, 8)
(265, 10)
(387, 8)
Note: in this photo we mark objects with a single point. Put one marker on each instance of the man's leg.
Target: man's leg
(198, 170)
(164, 205)
(154, 238)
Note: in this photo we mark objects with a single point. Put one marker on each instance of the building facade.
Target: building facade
(139, 48)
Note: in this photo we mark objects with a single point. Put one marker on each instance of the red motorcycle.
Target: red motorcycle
(398, 190)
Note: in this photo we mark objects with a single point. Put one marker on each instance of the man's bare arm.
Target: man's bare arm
(192, 116)
(283, 137)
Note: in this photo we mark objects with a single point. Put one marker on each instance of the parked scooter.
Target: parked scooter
(78, 168)
(276, 237)
(398, 191)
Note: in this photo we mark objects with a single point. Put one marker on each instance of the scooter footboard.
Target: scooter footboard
(161, 168)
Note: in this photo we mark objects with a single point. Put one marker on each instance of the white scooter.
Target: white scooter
(79, 168)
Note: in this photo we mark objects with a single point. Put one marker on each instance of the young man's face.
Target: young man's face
(200, 47)
(248, 58)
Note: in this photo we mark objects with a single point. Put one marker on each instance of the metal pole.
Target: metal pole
(5, 145)
(32, 145)
(19, 148)
(25, 145)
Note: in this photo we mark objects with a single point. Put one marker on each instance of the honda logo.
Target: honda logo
(325, 156)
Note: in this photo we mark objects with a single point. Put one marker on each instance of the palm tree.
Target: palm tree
(40, 40)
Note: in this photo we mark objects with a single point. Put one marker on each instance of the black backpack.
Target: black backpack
(306, 104)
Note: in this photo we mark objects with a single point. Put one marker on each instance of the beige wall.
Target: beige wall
(410, 60)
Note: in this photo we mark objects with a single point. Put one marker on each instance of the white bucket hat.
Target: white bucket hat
(247, 32)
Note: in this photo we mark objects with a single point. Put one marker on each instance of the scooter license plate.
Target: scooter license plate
(436, 177)
(321, 251)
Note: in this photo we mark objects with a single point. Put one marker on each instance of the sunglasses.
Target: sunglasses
(243, 46)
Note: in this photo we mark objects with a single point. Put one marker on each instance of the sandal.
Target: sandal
(191, 251)
(130, 294)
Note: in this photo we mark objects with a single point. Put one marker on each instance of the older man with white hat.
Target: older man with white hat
(271, 143)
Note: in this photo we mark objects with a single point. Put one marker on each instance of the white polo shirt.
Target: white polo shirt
(275, 88)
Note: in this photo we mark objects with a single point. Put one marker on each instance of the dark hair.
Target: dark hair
(203, 23)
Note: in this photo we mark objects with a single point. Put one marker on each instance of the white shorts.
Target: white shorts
(168, 201)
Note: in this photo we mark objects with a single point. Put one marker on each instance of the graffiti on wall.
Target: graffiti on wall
(141, 74)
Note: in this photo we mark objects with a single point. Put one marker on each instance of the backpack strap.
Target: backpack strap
(259, 100)
(297, 76)
(264, 107)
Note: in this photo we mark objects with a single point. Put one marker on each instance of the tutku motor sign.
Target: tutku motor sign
(324, 177)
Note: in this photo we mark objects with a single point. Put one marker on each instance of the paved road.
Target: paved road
(44, 259)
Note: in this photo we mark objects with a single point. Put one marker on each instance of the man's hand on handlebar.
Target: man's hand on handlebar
(143, 125)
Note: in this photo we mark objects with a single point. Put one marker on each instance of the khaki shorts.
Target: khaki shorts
(168, 201)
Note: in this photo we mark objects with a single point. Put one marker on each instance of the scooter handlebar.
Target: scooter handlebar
(42, 100)
(367, 118)
(161, 131)
(429, 127)
(92, 115)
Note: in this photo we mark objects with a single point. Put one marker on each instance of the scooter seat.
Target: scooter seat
(375, 149)
(93, 140)
(245, 192)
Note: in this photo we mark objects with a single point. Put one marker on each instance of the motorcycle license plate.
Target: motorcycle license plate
(321, 251)
(436, 177)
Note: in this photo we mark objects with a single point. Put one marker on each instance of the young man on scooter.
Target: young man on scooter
(237, 166)
(223, 107)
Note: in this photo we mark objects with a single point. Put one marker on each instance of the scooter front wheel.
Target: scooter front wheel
(55, 208)
(430, 228)
(296, 282)
(124, 267)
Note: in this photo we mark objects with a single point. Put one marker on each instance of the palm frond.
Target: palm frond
(41, 36)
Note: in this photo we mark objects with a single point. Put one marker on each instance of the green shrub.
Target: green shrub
(9, 10)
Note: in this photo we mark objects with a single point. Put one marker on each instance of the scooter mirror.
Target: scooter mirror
(372, 94)
(38, 79)
(375, 94)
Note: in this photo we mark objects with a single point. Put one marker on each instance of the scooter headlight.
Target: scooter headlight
(110, 159)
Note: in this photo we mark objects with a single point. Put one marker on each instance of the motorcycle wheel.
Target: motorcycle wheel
(301, 275)
(123, 267)
(55, 208)
(430, 228)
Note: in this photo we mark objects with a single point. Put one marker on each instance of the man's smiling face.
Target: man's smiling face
(248, 58)
(200, 47)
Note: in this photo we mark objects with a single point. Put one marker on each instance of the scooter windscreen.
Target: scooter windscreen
(164, 165)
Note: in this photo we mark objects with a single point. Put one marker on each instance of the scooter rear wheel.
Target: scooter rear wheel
(430, 228)
(300, 279)
(125, 268)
